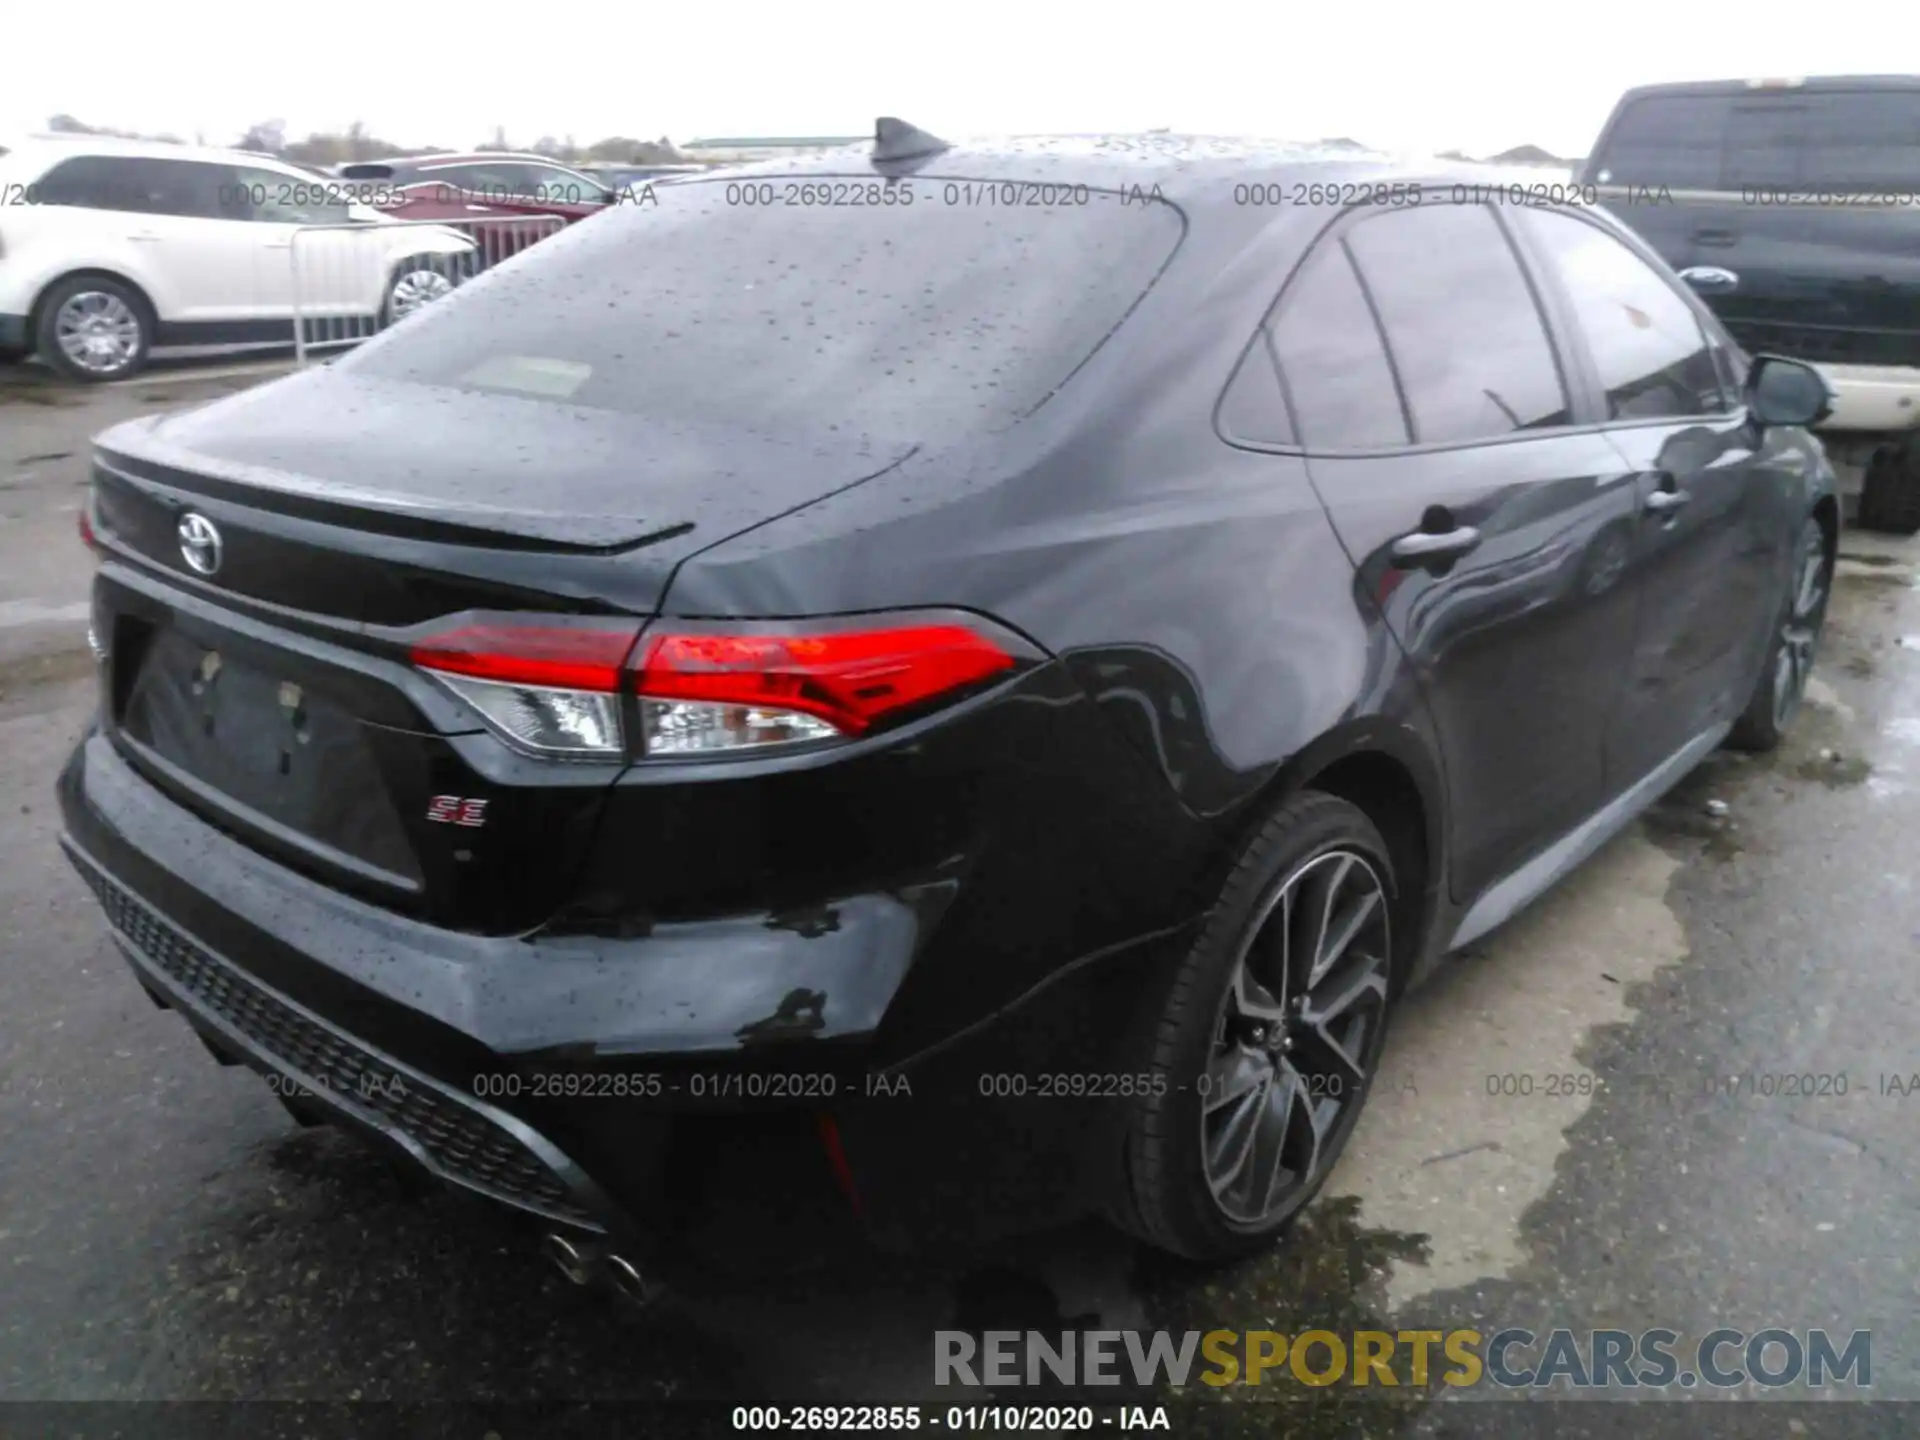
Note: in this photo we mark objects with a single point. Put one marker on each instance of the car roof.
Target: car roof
(1801, 83)
(1185, 168)
(468, 157)
(57, 146)
(388, 165)
(35, 155)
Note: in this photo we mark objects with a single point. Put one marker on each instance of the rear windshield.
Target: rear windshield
(715, 300)
(1852, 140)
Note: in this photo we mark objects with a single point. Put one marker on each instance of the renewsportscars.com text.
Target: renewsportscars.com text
(1724, 1359)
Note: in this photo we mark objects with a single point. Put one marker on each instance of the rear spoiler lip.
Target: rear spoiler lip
(380, 512)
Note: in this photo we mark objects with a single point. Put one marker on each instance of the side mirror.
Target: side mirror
(1787, 392)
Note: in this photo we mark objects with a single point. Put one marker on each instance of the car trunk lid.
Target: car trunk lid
(274, 695)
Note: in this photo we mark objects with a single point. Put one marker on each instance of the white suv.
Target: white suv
(109, 248)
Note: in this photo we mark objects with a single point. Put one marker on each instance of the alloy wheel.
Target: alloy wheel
(1799, 634)
(98, 332)
(414, 289)
(1286, 1072)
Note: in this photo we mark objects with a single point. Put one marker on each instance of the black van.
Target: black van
(1793, 208)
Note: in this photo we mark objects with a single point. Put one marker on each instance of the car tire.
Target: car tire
(1790, 652)
(441, 273)
(1213, 1067)
(1890, 494)
(94, 328)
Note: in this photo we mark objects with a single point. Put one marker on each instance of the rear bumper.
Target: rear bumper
(612, 1085)
(315, 1064)
(1872, 398)
(550, 1077)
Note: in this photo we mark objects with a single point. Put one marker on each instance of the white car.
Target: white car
(111, 248)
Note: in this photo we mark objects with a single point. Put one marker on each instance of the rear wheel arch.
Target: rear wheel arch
(1385, 790)
(1223, 1005)
(1382, 768)
(1827, 511)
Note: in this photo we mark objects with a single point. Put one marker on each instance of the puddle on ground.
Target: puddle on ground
(1330, 1273)
(1479, 1081)
(1896, 579)
(36, 391)
(1834, 770)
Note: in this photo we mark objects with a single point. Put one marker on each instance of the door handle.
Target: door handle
(1709, 277)
(1429, 547)
(1667, 499)
(1717, 239)
(143, 235)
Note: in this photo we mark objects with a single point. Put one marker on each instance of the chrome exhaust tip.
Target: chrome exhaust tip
(630, 1282)
(575, 1261)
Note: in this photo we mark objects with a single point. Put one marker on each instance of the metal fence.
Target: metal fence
(352, 280)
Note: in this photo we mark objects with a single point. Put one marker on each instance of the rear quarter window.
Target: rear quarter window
(902, 323)
(1329, 351)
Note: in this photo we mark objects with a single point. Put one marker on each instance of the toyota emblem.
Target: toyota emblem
(199, 543)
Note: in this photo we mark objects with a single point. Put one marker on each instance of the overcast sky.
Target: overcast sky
(1474, 76)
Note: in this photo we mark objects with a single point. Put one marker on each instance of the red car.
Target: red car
(475, 186)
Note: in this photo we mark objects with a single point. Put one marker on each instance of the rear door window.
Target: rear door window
(1652, 354)
(140, 185)
(96, 182)
(1462, 327)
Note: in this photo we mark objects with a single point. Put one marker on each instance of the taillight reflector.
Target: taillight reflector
(87, 537)
(849, 678)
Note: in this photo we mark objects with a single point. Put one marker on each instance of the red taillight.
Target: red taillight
(848, 678)
(87, 537)
(574, 657)
(551, 685)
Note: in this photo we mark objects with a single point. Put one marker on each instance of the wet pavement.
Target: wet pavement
(1584, 1123)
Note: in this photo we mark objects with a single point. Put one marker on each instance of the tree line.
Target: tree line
(269, 137)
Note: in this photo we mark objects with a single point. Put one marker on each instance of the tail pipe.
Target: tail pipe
(585, 1263)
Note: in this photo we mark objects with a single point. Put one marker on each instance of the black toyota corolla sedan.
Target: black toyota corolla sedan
(964, 682)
